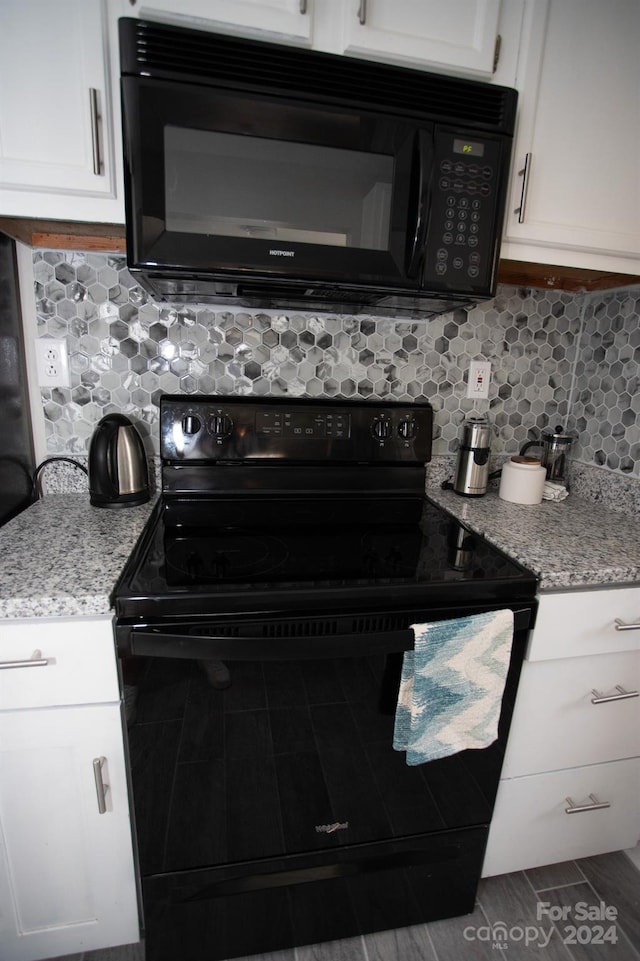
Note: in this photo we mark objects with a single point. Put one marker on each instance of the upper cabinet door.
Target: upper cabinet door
(449, 35)
(280, 20)
(55, 107)
(575, 192)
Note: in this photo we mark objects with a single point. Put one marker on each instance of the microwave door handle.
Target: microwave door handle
(415, 250)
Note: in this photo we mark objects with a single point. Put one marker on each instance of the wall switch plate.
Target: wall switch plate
(479, 379)
(52, 361)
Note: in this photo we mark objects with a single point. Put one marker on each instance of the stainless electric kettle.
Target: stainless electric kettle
(118, 471)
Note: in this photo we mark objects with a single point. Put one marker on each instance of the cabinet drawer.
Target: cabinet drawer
(50, 662)
(583, 622)
(557, 725)
(530, 826)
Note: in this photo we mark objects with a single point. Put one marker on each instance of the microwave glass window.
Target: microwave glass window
(230, 185)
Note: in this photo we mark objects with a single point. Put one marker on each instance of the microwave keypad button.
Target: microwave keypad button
(446, 166)
(474, 228)
(448, 225)
(476, 204)
(475, 216)
(458, 263)
(472, 187)
(445, 183)
(463, 202)
(473, 241)
(487, 172)
(473, 272)
(441, 268)
(442, 254)
(461, 227)
(458, 185)
(461, 239)
(447, 238)
(485, 189)
(462, 214)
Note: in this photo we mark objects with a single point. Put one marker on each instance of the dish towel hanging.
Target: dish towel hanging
(452, 684)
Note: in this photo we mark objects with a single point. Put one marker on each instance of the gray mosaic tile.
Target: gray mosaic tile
(126, 350)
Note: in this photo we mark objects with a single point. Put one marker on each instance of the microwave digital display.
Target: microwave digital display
(470, 148)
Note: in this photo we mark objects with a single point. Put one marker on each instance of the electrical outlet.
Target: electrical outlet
(52, 362)
(479, 379)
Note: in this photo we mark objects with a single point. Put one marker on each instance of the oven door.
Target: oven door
(280, 797)
(225, 182)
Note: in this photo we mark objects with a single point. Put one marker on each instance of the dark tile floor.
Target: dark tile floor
(517, 916)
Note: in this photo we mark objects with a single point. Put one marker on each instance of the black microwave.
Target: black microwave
(265, 175)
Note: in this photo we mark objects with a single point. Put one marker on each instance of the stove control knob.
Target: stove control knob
(381, 428)
(191, 424)
(220, 424)
(407, 429)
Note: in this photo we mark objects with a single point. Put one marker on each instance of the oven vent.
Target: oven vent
(320, 628)
(378, 623)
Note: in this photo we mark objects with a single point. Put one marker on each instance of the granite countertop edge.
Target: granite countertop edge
(82, 550)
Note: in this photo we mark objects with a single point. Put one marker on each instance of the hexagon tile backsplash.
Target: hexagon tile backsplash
(125, 350)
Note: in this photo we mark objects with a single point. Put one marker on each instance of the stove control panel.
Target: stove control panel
(207, 429)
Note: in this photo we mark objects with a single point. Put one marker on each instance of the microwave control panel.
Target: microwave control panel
(466, 199)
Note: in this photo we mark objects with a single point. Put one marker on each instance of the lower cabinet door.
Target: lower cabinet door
(546, 818)
(67, 880)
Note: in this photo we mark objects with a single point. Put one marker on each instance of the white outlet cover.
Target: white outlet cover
(52, 361)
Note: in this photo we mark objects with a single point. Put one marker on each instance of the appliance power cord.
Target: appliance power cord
(36, 491)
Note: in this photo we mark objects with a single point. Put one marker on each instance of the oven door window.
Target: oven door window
(223, 181)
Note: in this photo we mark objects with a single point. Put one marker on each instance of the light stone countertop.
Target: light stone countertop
(571, 544)
(62, 557)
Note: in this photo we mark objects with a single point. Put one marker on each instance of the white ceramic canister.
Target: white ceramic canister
(522, 480)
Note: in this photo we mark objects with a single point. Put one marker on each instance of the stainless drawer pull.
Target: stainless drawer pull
(579, 808)
(620, 696)
(362, 12)
(101, 787)
(36, 660)
(303, 7)
(621, 626)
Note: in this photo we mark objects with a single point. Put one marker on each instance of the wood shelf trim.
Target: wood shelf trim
(110, 238)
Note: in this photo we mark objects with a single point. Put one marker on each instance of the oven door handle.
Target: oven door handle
(160, 642)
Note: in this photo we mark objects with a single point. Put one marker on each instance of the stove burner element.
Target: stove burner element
(222, 557)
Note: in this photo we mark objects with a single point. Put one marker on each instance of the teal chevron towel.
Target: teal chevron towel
(452, 685)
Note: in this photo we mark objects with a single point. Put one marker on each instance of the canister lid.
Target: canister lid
(526, 461)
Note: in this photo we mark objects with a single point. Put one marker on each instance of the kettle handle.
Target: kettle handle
(105, 480)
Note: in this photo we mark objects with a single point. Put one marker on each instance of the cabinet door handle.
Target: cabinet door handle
(95, 131)
(101, 787)
(596, 805)
(362, 12)
(621, 626)
(620, 696)
(36, 660)
(524, 173)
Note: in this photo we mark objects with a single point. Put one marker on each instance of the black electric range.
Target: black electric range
(293, 544)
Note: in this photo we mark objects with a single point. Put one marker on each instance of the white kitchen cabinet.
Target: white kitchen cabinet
(575, 736)
(574, 197)
(289, 21)
(60, 142)
(458, 36)
(67, 877)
